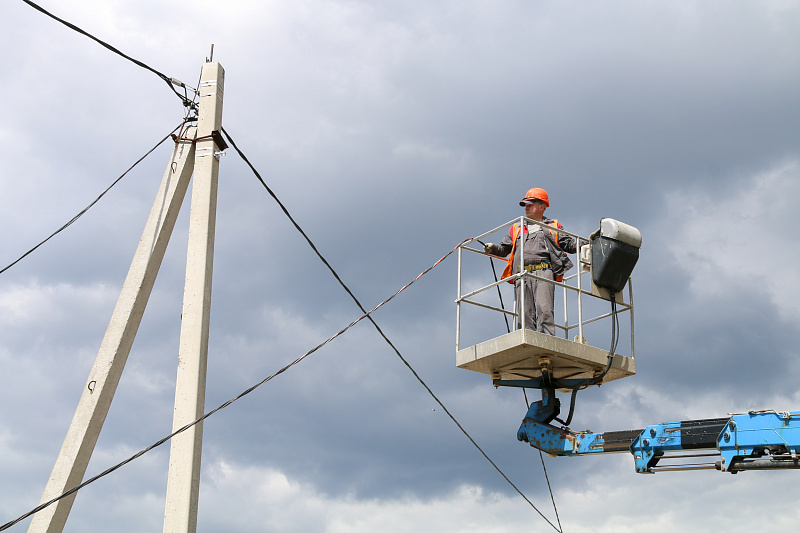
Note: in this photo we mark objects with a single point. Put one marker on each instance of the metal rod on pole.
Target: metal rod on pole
(520, 283)
(183, 483)
(458, 302)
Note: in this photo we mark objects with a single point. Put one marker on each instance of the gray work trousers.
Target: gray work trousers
(538, 302)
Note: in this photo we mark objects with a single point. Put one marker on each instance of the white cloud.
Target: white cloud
(612, 501)
(259, 499)
(620, 502)
(24, 304)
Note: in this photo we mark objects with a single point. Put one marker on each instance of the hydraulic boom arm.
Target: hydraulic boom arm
(757, 440)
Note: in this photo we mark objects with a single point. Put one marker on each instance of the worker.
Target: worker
(543, 255)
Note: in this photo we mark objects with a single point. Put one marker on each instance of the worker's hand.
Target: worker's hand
(489, 248)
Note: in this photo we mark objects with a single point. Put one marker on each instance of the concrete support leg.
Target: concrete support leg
(183, 484)
(95, 401)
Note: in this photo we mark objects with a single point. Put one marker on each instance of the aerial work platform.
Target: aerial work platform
(521, 355)
(527, 358)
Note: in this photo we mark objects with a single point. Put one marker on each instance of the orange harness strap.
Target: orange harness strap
(515, 231)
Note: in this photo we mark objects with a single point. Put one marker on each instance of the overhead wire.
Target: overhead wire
(188, 103)
(524, 392)
(85, 209)
(225, 404)
(171, 82)
(552, 498)
(614, 342)
(499, 292)
(598, 378)
(379, 330)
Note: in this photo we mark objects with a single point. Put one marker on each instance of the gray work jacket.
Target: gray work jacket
(539, 246)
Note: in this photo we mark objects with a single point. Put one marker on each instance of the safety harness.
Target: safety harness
(515, 230)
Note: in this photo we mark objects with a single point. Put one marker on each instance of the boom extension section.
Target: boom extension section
(757, 440)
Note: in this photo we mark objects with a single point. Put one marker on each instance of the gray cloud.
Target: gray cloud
(392, 132)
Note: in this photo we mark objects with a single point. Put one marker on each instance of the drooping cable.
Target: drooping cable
(379, 330)
(614, 342)
(171, 82)
(225, 404)
(85, 209)
(597, 379)
(500, 295)
(552, 498)
(499, 292)
(544, 467)
(525, 393)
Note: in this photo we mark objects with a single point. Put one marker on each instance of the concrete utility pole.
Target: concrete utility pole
(183, 486)
(195, 149)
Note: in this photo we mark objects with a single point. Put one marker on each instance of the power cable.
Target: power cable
(85, 209)
(365, 315)
(552, 498)
(380, 331)
(224, 405)
(499, 292)
(171, 82)
(525, 394)
(597, 379)
(544, 467)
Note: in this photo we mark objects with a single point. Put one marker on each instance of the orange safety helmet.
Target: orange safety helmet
(536, 194)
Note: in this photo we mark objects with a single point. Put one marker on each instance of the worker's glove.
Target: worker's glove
(489, 248)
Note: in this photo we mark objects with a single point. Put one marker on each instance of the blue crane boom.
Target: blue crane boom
(757, 440)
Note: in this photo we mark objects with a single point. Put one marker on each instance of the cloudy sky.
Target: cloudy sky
(392, 131)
